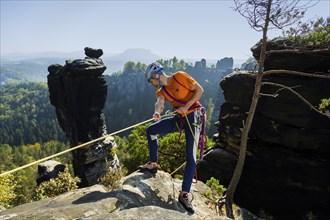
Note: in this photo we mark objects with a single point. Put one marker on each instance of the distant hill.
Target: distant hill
(24, 71)
(18, 67)
(116, 62)
(136, 55)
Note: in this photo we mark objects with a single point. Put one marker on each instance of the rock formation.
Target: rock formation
(48, 170)
(225, 63)
(287, 164)
(78, 91)
(250, 64)
(283, 55)
(139, 196)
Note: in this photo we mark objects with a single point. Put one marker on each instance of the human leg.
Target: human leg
(192, 133)
(163, 126)
(192, 138)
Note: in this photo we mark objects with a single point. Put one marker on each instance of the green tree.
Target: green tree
(129, 67)
(26, 114)
(209, 113)
(6, 157)
(135, 151)
(7, 190)
(26, 181)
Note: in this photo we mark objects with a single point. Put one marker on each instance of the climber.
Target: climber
(183, 92)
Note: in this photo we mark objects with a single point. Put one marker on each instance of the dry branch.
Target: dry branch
(295, 93)
(297, 73)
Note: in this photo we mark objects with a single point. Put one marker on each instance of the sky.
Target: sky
(185, 29)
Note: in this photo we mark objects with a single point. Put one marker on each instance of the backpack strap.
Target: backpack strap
(175, 99)
(195, 105)
(179, 101)
(181, 83)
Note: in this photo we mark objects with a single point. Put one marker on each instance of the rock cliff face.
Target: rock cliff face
(78, 91)
(288, 159)
(139, 196)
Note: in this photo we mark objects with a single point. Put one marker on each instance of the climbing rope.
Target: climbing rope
(81, 145)
(184, 163)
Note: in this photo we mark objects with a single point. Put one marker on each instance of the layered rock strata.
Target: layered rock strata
(78, 92)
(287, 164)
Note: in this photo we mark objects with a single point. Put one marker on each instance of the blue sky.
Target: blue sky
(186, 29)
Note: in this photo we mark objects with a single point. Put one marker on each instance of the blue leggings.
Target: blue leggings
(171, 124)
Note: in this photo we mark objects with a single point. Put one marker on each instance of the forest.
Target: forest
(29, 129)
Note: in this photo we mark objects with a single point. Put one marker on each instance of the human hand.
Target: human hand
(182, 110)
(156, 116)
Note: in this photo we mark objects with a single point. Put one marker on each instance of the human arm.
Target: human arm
(197, 94)
(159, 107)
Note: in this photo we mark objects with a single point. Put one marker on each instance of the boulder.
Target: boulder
(139, 196)
(93, 53)
(48, 170)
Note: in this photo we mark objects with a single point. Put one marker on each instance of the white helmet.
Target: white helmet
(152, 69)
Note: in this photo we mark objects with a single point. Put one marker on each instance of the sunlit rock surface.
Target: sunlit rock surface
(140, 196)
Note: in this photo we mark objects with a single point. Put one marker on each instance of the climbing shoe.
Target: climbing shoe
(186, 202)
(148, 167)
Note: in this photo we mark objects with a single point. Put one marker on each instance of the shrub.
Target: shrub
(56, 186)
(313, 34)
(110, 179)
(216, 190)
